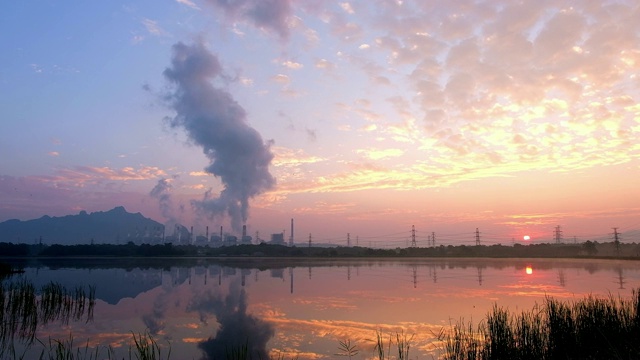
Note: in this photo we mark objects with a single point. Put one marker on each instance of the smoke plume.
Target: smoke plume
(213, 120)
(162, 192)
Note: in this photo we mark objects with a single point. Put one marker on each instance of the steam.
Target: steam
(213, 120)
(162, 192)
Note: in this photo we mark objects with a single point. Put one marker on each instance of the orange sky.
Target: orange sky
(512, 118)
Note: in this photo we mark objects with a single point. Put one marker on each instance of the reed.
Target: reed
(591, 328)
(146, 348)
(378, 349)
(23, 309)
(403, 342)
(347, 349)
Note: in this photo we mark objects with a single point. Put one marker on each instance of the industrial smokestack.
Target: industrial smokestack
(191, 235)
(244, 231)
(291, 238)
(221, 232)
(207, 233)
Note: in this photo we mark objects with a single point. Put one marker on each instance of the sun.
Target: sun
(527, 238)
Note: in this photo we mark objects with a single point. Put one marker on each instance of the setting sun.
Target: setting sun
(527, 238)
(529, 270)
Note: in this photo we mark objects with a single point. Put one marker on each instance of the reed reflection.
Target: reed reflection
(23, 308)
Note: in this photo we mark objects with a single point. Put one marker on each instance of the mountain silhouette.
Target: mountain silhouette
(112, 227)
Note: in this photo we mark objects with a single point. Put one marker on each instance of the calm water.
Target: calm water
(301, 308)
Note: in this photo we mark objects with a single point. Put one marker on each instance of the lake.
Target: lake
(304, 308)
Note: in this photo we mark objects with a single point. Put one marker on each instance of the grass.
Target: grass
(142, 347)
(23, 308)
(591, 328)
(146, 348)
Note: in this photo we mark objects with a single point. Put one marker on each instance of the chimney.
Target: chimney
(291, 238)
(221, 233)
(244, 231)
(191, 235)
(207, 233)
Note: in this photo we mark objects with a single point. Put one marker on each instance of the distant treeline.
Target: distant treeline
(587, 249)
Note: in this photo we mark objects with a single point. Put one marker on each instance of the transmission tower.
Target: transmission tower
(616, 238)
(557, 234)
(413, 236)
(309, 239)
(348, 240)
(477, 237)
(433, 238)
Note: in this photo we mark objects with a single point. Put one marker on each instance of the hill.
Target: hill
(113, 226)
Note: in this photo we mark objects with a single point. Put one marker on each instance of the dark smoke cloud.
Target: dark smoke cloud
(236, 329)
(215, 121)
(271, 15)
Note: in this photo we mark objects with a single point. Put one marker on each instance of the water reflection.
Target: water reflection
(305, 307)
(236, 327)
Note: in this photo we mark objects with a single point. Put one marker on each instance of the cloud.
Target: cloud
(281, 78)
(347, 8)
(292, 65)
(213, 120)
(188, 3)
(34, 196)
(286, 157)
(270, 15)
(152, 27)
(324, 64)
(379, 154)
(323, 208)
(81, 176)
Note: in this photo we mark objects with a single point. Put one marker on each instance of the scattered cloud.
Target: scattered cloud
(286, 157)
(281, 78)
(152, 27)
(292, 65)
(347, 7)
(188, 3)
(324, 208)
(379, 154)
(273, 16)
(80, 176)
(324, 64)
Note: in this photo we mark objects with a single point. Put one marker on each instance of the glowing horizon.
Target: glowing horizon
(510, 118)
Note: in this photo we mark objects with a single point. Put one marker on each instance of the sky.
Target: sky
(358, 119)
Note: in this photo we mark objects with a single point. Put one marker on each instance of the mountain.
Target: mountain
(113, 226)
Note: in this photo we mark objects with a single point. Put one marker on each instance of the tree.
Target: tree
(590, 248)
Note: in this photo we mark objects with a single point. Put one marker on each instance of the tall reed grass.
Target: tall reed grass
(23, 308)
(591, 328)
